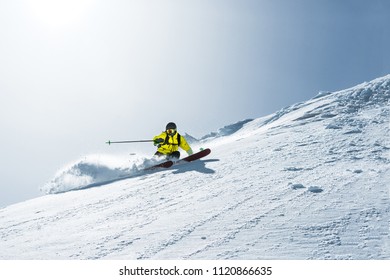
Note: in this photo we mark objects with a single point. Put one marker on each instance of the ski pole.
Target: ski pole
(109, 142)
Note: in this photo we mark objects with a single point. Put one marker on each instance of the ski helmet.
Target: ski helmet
(170, 125)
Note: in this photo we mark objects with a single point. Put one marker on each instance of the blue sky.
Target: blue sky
(76, 73)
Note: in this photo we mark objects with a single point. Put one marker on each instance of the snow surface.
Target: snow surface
(308, 182)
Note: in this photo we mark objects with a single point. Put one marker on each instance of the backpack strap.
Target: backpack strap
(166, 140)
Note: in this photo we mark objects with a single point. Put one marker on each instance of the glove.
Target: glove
(190, 152)
(158, 141)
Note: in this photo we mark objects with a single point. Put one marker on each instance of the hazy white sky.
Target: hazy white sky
(76, 73)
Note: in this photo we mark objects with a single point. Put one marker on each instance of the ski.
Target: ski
(195, 156)
(169, 163)
(165, 164)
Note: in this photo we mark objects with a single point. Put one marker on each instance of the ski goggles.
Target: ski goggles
(171, 131)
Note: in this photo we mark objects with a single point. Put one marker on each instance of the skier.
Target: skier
(169, 141)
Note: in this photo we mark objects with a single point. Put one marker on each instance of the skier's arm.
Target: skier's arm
(158, 139)
(184, 145)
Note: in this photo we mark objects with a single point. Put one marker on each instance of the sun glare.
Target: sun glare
(58, 13)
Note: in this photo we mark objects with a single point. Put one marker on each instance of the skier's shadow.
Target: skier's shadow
(199, 166)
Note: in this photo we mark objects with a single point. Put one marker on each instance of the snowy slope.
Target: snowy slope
(308, 182)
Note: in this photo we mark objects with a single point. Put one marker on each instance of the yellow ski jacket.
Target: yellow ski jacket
(172, 143)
